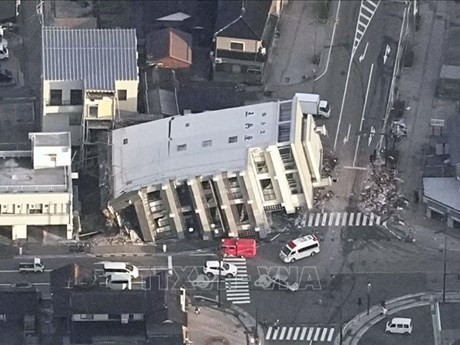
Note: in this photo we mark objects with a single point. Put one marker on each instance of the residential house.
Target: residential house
(90, 313)
(169, 48)
(217, 173)
(36, 186)
(90, 80)
(243, 34)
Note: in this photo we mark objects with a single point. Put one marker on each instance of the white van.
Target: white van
(119, 281)
(110, 268)
(399, 325)
(299, 248)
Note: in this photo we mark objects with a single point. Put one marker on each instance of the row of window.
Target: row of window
(208, 143)
(76, 96)
(32, 208)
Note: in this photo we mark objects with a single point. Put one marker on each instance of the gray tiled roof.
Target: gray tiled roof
(97, 56)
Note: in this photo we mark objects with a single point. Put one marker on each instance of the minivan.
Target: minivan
(399, 325)
(299, 248)
(110, 268)
(119, 281)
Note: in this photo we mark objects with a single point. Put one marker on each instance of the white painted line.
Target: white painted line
(323, 335)
(238, 298)
(234, 260)
(331, 334)
(289, 333)
(377, 220)
(311, 216)
(365, 220)
(323, 221)
(170, 265)
(241, 302)
(310, 332)
(283, 331)
(318, 331)
(275, 333)
(331, 219)
(372, 3)
(317, 219)
(358, 218)
(350, 220)
(269, 333)
(371, 222)
(304, 331)
(296, 333)
(337, 220)
(344, 219)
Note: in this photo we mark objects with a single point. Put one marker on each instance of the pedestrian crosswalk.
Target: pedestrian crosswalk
(300, 333)
(342, 219)
(366, 12)
(237, 288)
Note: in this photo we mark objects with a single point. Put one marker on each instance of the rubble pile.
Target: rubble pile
(321, 197)
(330, 161)
(381, 194)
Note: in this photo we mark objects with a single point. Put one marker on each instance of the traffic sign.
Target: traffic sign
(437, 122)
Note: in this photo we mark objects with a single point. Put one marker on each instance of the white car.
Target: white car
(4, 53)
(211, 269)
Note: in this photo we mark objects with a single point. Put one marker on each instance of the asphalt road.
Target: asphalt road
(422, 333)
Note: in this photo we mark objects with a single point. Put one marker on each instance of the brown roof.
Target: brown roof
(171, 47)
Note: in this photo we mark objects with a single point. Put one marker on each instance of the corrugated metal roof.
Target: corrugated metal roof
(97, 56)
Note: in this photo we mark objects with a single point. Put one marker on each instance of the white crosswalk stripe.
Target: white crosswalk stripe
(237, 288)
(366, 12)
(300, 333)
(344, 219)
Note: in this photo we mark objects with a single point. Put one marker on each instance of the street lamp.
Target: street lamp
(369, 286)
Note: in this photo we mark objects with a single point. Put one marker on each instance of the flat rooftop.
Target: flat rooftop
(17, 175)
(444, 190)
(196, 144)
(51, 139)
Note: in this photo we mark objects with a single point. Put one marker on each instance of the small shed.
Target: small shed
(449, 81)
(169, 48)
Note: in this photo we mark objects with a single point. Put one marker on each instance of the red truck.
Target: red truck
(245, 247)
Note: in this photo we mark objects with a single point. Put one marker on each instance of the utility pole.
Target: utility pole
(369, 286)
(219, 298)
(444, 272)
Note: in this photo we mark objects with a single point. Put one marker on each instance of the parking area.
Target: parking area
(422, 333)
(450, 314)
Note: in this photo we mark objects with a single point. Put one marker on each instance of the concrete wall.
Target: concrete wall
(43, 156)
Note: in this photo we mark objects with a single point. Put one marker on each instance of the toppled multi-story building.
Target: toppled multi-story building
(217, 173)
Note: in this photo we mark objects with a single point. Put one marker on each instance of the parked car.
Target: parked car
(4, 53)
(211, 269)
(399, 325)
(281, 281)
(32, 266)
(245, 247)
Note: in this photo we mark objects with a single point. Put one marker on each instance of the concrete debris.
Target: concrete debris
(398, 130)
(321, 197)
(330, 162)
(381, 194)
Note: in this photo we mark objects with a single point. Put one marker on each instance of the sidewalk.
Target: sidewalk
(303, 38)
(355, 329)
(64, 250)
(220, 326)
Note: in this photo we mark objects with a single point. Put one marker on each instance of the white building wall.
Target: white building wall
(51, 156)
(130, 105)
